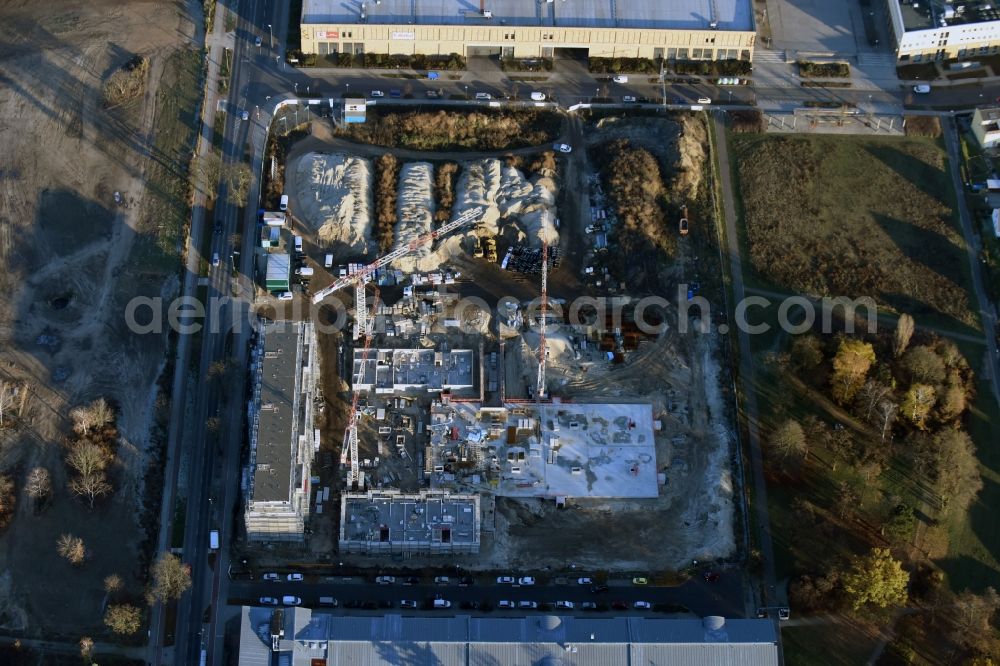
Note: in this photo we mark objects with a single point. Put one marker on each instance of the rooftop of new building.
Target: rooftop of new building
(279, 400)
(930, 14)
(392, 517)
(389, 370)
(643, 14)
(310, 637)
(556, 450)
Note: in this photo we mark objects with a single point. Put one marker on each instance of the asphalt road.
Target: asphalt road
(723, 597)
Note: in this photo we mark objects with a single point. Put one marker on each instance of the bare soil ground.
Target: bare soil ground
(73, 258)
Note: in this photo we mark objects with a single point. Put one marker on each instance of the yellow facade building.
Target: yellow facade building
(671, 29)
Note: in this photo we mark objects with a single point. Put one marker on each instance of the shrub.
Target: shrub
(624, 65)
(127, 83)
(713, 67)
(444, 190)
(386, 178)
(828, 70)
(747, 122)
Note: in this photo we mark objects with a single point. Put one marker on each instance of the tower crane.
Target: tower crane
(350, 447)
(466, 218)
(540, 389)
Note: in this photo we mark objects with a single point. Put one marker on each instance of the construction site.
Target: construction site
(504, 397)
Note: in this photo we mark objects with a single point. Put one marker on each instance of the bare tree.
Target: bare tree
(87, 458)
(789, 439)
(123, 618)
(171, 578)
(90, 486)
(87, 417)
(39, 484)
(127, 83)
(904, 331)
(869, 396)
(886, 415)
(238, 179)
(86, 647)
(112, 583)
(207, 170)
(72, 549)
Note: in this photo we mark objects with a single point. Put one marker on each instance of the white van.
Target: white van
(328, 261)
(283, 204)
(305, 271)
(298, 244)
(441, 603)
(215, 259)
(213, 539)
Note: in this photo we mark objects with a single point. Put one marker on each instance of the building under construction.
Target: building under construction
(388, 522)
(388, 371)
(282, 436)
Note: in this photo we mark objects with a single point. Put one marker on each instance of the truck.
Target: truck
(213, 540)
(304, 271)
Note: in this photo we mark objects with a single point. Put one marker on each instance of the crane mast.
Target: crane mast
(540, 389)
(350, 447)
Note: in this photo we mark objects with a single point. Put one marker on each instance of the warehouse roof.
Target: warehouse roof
(399, 640)
(672, 15)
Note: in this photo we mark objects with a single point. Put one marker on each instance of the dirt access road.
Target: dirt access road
(73, 258)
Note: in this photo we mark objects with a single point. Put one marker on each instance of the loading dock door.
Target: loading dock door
(482, 51)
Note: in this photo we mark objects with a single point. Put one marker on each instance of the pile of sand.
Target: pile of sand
(415, 211)
(509, 198)
(334, 194)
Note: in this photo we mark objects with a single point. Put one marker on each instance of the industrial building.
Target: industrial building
(389, 371)
(302, 637)
(680, 29)
(553, 450)
(392, 523)
(928, 30)
(283, 441)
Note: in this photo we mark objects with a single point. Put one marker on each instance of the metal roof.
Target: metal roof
(276, 441)
(647, 14)
(542, 640)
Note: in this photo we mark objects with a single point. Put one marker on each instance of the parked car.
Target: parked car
(442, 603)
(328, 601)
(642, 605)
(565, 605)
(629, 99)
(268, 601)
(619, 605)
(377, 93)
(385, 580)
(526, 580)
(407, 603)
(538, 96)
(257, 40)
(294, 577)
(271, 577)
(283, 203)
(285, 296)
(784, 613)
(245, 115)
(289, 600)
(411, 580)
(528, 605)
(585, 581)
(484, 95)
(704, 100)
(469, 605)
(588, 606)
(639, 580)
(620, 78)
(466, 581)
(441, 580)
(921, 88)
(395, 93)
(599, 589)
(761, 613)
(505, 604)
(505, 580)
(433, 94)
(563, 148)
(215, 258)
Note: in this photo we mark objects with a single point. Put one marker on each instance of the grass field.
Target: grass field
(846, 216)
